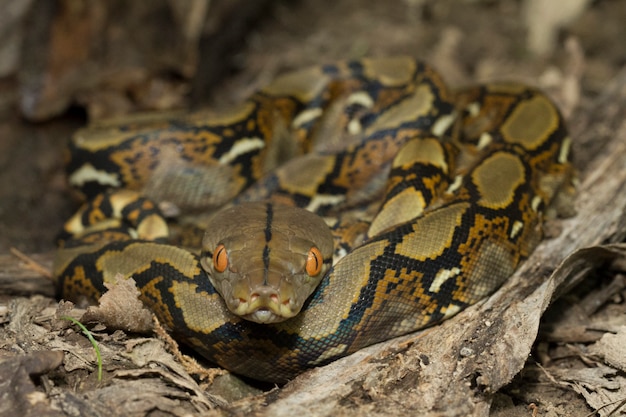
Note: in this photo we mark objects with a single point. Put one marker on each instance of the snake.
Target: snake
(337, 207)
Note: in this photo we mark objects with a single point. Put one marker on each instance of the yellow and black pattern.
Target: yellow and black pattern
(434, 199)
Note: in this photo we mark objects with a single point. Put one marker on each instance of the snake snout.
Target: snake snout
(265, 304)
(267, 295)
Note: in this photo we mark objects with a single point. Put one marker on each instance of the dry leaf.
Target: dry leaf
(120, 308)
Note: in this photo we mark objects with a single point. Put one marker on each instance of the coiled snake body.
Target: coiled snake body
(433, 199)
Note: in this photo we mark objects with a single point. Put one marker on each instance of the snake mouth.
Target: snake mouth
(264, 316)
(263, 310)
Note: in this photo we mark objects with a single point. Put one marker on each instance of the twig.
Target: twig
(190, 364)
(32, 264)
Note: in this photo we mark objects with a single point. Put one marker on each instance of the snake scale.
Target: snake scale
(433, 198)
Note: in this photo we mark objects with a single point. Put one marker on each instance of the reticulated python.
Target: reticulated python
(433, 199)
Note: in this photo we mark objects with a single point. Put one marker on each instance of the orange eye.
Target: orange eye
(314, 262)
(220, 258)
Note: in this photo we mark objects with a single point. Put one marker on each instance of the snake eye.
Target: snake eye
(314, 262)
(220, 258)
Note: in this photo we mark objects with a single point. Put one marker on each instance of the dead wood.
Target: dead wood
(18, 277)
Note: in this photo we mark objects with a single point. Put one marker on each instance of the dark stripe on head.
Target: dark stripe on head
(269, 210)
(266, 263)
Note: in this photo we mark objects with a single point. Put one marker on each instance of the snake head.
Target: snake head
(266, 259)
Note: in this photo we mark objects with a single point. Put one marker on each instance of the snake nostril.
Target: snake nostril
(271, 297)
